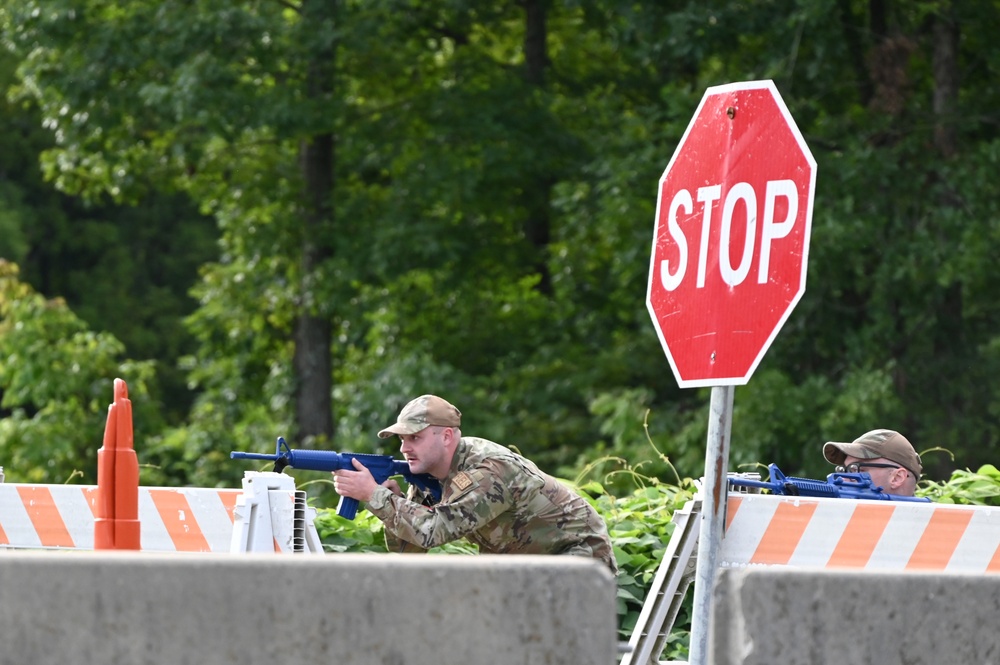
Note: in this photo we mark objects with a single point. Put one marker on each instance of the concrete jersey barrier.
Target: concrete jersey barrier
(151, 608)
(831, 581)
(768, 615)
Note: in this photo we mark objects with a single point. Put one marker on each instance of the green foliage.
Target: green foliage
(980, 487)
(487, 227)
(365, 534)
(56, 382)
(362, 534)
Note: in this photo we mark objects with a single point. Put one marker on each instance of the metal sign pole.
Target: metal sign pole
(713, 511)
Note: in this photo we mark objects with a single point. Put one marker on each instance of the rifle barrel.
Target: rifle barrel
(260, 456)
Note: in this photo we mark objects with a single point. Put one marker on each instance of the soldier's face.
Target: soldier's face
(425, 452)
(883, 475)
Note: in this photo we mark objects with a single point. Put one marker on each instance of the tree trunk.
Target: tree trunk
(313, 329)
(537, 195)
(945, 79)
(853, 30)
(535, 51)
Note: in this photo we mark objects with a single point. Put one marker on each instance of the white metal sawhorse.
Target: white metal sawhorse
(667, 592)
(673, 577)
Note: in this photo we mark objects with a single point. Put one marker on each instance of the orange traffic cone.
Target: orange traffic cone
(116, 521)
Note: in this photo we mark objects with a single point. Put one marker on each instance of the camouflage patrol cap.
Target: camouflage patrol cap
(423, 411)
(885, 443)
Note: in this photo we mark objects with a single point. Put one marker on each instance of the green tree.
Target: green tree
(196, 99)
(458, 197)
(56, 382)
(124, 269)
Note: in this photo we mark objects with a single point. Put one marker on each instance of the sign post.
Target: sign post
(728, 265)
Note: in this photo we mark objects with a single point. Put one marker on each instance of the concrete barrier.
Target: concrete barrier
(150, 608)
(765, 615)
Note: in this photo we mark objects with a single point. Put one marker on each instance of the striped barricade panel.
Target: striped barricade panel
(186, 519)
(171, 519)
(871, 535)
(47, 516)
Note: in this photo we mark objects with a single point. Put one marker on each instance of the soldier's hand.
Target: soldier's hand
(358, 484)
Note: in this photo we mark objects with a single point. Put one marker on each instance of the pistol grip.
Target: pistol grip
(347, 508)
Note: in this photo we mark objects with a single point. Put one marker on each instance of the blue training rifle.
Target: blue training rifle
(382, 467)
(836, 486)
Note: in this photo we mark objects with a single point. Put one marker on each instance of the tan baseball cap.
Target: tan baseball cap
(885, 443)
(420, 413)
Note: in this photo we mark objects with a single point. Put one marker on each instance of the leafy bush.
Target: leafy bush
(364, 534)
(56, 382)
(981, 488)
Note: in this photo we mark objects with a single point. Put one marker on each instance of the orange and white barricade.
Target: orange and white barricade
(817, 533)
(267, 515)
(860, 534)
(64, 516)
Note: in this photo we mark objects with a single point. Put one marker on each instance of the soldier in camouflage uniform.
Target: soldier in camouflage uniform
(490, 495)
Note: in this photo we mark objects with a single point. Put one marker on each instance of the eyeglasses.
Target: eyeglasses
(855, 467)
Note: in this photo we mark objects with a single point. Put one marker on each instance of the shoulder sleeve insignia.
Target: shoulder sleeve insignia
(462, 481)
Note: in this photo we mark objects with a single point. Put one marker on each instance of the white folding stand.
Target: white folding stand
(272, 516)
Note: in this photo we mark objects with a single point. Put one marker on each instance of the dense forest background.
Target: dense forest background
(288, 217)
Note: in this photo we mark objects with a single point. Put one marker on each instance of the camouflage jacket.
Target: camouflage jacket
(498, 500)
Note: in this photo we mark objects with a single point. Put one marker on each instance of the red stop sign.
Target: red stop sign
(731, 246)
